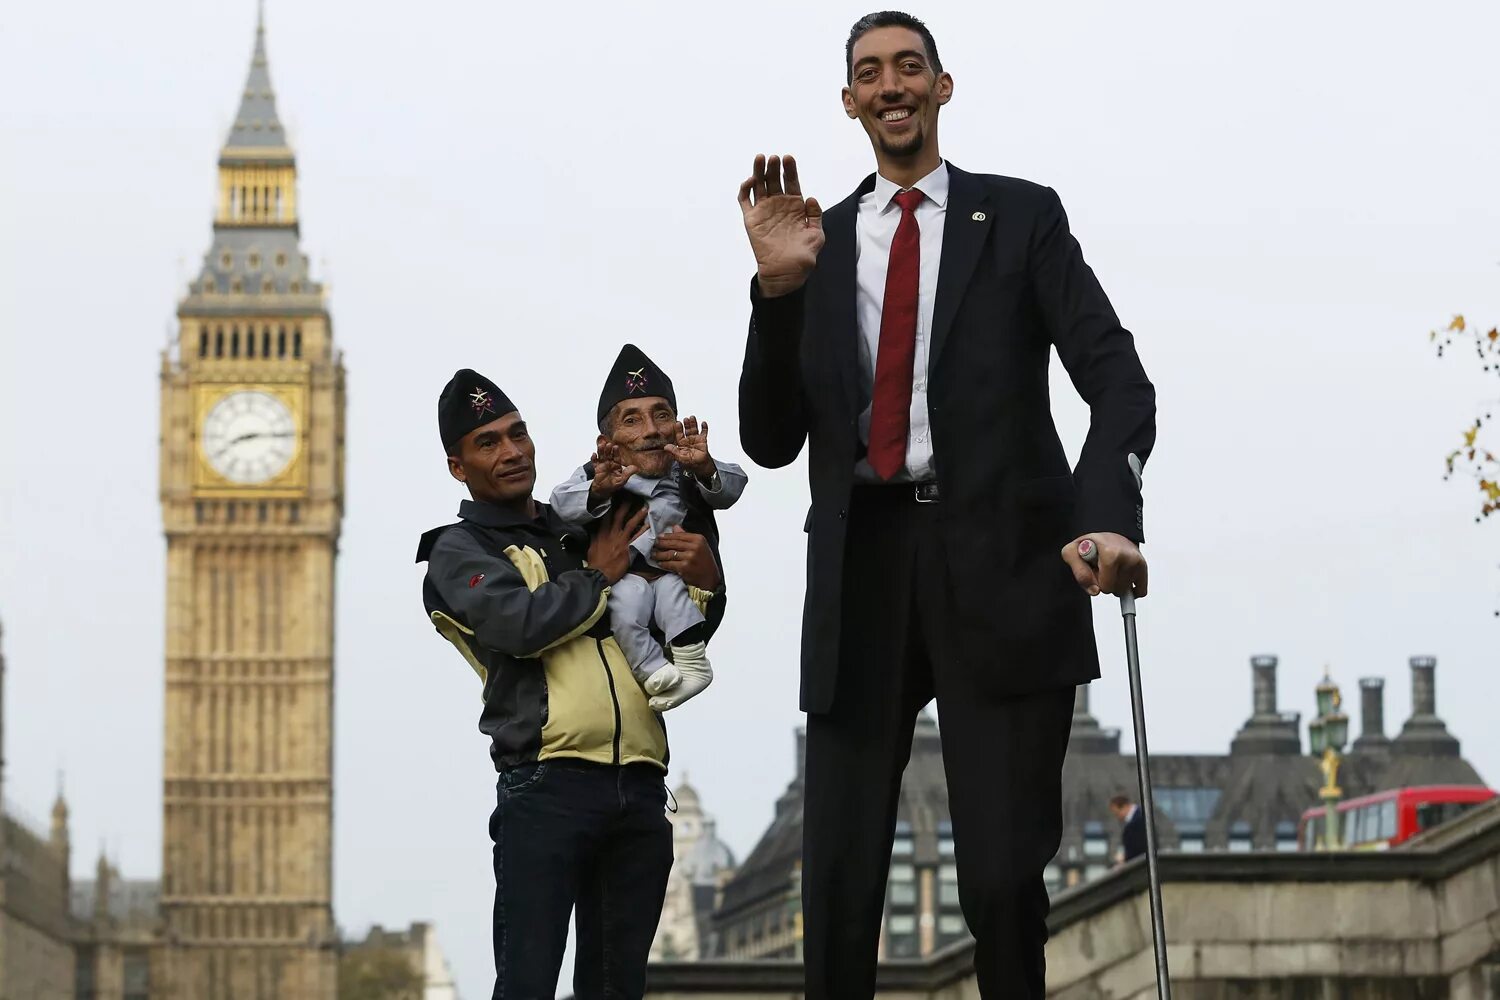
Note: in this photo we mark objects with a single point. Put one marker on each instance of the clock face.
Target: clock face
(249, 437)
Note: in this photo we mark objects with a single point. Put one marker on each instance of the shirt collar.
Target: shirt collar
(934, 186)
(494, 516)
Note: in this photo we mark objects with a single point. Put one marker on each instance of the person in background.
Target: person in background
(1133, 830)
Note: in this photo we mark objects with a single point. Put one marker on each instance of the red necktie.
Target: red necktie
(890, 407)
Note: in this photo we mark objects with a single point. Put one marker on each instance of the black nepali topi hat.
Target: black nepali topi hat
(634, 376)
(469, 401)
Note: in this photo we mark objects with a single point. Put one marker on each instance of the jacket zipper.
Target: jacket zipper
(613, 695)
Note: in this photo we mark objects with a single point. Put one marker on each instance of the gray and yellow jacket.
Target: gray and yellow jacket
(516, 598)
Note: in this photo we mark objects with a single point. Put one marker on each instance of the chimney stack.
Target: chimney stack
(1372, 716)
(1266, 731)
(1424, 733)
(1423, 686)
(1263, 671)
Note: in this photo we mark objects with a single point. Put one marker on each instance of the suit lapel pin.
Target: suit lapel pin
(977, 216)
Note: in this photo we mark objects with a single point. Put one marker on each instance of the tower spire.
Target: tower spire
(257, 129)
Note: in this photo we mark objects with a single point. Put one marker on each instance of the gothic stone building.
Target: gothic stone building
(1249, 799)
(252, 495)
(251, 486)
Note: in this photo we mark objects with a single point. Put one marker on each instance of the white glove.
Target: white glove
(696, 674)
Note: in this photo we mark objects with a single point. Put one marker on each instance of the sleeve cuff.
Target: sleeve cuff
(790, 303)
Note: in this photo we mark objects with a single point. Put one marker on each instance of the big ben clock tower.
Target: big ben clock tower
(252, 453)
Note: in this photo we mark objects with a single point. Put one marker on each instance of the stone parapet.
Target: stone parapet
(1421, 922)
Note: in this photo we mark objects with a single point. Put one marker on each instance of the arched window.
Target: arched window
(281, 343)
(250, 343)
(219, 342)
(297, 343)
(203, 342)
(265, 343)
(234, 342)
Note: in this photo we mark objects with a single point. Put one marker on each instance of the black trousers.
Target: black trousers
(1002, 758)
(569, 833)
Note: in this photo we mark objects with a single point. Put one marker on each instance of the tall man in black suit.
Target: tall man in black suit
(910, 353)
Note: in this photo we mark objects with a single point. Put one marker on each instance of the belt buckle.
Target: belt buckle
(926, 492)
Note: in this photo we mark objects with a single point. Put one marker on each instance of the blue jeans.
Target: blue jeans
(570, 834)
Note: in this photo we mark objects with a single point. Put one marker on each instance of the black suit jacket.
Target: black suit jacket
(1133, 835)
(1011, 285)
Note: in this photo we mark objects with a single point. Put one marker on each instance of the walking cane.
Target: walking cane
(1090, 553)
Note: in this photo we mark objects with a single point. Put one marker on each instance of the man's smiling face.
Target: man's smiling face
(894, 91)
(496, 461)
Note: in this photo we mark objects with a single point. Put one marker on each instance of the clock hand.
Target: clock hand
(250, 437)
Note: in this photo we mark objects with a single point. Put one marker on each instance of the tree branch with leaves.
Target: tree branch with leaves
(1471, 458)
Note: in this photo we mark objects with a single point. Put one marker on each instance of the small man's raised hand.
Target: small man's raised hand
(690, 448)
(785, 230)
(609, 474)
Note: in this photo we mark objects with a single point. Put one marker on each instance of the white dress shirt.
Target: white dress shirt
(874, 228)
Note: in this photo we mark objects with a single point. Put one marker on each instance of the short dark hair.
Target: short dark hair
(1120, 802)
(888, 19)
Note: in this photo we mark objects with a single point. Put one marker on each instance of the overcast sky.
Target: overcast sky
(1281, 199)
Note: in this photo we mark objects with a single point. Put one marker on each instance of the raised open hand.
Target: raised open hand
(691, 447)
(609, 474)
(785, 230)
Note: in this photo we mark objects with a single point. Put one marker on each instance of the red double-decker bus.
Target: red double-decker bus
(1384, 819)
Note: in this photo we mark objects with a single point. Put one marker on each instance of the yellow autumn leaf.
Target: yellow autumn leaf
(1457, 324)
(1492, 490)
(1469, 436)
